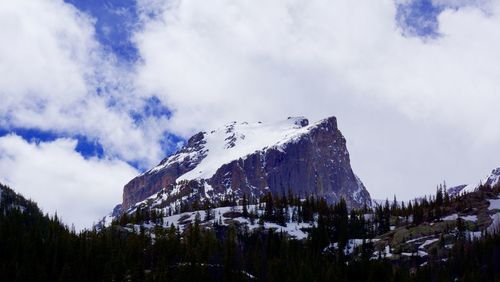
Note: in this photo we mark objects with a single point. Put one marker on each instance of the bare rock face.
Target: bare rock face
(166, 173)
(254, 159)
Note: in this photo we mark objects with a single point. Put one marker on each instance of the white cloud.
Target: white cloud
(413, 111)
(50, 68)
(60, 179)
(214, 61)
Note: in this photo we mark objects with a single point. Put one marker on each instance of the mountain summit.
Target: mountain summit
(253, 159)
(492, 180)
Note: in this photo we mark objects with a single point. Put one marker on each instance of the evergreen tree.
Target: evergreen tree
(245, 207)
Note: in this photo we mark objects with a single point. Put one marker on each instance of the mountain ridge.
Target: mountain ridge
(255, 158)
(493, 179)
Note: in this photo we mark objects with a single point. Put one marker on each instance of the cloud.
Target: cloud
(217, 61)
(55, 76)
(207, 58)
(60, 180)
(414, 110)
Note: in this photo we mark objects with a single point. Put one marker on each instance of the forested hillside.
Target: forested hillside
(142, 247)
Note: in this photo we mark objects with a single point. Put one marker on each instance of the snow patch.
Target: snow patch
(450, 217)
(473, 235)
(494, 204)
(352, 244)
(427, 243)
(182, 220)
(492, 180)
(238, 140)
(456, 216)
(495, 225)
(470, 218)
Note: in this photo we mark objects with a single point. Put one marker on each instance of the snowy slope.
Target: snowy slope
(237, 140)
(492, 179)
(222, 216)
(253, 158)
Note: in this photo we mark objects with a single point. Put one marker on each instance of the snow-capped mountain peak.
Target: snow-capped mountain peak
(237, 140)
(493, 179)
(233, 141)
(253, 158)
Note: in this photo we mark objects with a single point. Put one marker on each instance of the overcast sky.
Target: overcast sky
(93, 92)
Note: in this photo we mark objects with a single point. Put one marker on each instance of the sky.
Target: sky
(94, 92)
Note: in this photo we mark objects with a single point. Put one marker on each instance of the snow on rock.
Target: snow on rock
(494, 204)
(418, 253)
(237, 140)
(470, 188)
(456, 216)
(469, 218)
(224, 215)
(422, 253)
(351, 245)
(495, 224)
(386, 254)
(106, 221)
(492, 179)
(255, 158)
(450, 217)
(473, 235)
(427, 243)
(418, 239)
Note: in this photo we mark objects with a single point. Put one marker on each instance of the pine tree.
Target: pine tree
(245, 207)
(209, 213)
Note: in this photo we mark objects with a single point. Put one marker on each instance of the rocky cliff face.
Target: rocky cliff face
(166, 173)
(253, 159)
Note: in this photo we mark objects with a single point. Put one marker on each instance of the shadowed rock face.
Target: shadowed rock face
(172, 167)
(314, 162)
(317, 164)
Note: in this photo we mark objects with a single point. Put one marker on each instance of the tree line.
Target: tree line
(38, 247)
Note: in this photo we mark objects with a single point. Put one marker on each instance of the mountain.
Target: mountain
(493, 179)
(454, 191)
(11, 201)
(34, 246)
(430, 232)
(437, 239)
(253, 159)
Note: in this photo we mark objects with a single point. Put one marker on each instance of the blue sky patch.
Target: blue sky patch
(419, 18)
(152, 108)
(85, 146)
(115, 22)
